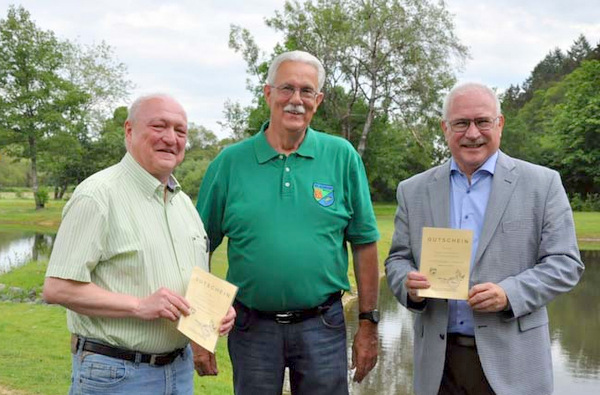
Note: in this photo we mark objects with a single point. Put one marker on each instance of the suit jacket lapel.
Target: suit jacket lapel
(503, 186)
(439, 196)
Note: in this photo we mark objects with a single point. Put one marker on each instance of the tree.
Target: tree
(576, 126)
(203, 147)
(236, 120)
(394, 56)
(54, 96)
(35, 101)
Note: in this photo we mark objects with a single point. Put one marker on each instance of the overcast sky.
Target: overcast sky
(180, 47)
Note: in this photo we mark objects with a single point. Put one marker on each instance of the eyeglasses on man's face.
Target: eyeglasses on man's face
(463, 124)
(287, 91)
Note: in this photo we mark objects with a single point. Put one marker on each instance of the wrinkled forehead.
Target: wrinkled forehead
(472, 99)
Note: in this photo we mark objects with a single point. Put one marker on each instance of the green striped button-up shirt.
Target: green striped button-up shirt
(118, 232)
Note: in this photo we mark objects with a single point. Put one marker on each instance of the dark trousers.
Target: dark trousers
(313, 349)
(463, 374)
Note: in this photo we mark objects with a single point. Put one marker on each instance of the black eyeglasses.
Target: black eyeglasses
(287, 91)
(462, 125)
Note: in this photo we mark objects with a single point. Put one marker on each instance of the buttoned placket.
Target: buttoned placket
(167, 206)
(287, 186)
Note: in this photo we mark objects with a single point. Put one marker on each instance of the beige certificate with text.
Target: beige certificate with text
(210, 298)
(446, 260)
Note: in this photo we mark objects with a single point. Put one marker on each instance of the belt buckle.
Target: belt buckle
(284, 318)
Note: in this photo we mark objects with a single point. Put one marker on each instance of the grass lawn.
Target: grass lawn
(20, 214)
(34, 341)
(35, 356)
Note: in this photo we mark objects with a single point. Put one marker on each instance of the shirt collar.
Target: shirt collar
(149, 184)
(264, 151)
(489, 165)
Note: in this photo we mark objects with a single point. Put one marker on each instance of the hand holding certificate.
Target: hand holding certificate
(446, 261)
(210, 298)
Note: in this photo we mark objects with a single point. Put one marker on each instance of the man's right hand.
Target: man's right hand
(205, 362)
(163, 303)
(414, 282)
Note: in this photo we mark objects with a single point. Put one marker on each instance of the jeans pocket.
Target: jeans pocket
(100, 371)
(333, 317)
(243, 318)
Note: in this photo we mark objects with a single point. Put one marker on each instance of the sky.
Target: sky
(181, 47)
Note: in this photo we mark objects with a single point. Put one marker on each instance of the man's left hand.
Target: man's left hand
(364, 349)
(487, 298)
(227, 322)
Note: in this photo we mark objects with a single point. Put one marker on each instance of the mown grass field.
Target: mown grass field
(34, 341)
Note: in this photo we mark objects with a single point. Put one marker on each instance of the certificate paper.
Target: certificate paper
(446, 260)
(210, 298)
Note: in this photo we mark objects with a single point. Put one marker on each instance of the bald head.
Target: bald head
(156, 134)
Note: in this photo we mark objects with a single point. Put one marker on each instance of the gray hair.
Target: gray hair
(466, 86)
(135, 106)
(296, 56)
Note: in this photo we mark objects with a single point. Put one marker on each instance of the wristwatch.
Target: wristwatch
(372, 316)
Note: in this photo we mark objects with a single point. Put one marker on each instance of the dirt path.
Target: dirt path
(7, 391)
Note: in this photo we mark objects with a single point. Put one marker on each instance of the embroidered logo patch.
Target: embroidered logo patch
(323, 194)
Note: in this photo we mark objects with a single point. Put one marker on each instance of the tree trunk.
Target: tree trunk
(62, 191)
(34, 179)
(362, 144)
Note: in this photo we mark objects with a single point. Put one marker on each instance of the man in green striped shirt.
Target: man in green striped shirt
(122, 259)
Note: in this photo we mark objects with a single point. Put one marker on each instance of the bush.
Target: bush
(42, 196)
(589, 202)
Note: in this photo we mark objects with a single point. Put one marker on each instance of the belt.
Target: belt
(295, 316)
(121, 353)
(461, 340)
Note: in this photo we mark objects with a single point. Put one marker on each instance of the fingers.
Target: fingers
(487, 297)
(163, 303)
(205, 362)
(364, 351)
(227, 322)
(414, 282)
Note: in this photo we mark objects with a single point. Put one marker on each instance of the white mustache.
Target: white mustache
(295, 108)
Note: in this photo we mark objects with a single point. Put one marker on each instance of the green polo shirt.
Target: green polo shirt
(287, 218)
(119, 233)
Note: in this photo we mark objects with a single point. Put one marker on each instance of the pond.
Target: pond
(574, 330)
(18, 248)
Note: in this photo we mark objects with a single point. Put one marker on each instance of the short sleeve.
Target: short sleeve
(362, 227)
(211, 203)
(79, 243)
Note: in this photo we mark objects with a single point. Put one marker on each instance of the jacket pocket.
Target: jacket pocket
(533, 320)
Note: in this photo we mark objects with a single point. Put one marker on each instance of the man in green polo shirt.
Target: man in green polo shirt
(288, 199)
(122, 259)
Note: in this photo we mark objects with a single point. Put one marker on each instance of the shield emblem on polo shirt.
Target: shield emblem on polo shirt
(323, 194)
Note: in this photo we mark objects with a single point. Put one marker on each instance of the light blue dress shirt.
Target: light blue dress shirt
(468, 202)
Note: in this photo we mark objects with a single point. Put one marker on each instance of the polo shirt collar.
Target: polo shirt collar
(264, 151)
(149, 184)
(489, 165)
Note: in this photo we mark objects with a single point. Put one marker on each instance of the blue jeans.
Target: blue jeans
(95, 374)
(314, 350)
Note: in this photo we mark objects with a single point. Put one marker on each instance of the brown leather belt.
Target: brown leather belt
(292, 316)
(461, 340)
(121, 353)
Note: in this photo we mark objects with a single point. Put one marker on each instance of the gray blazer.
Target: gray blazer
(527, 246)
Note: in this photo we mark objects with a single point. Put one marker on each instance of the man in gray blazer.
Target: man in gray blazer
(524, 254)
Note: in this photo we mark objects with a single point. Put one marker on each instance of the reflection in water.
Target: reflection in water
(574, 330)
(16, 249)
